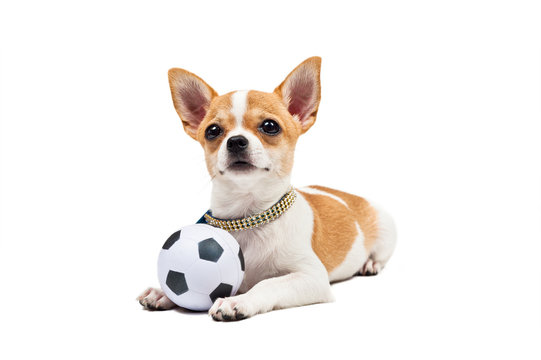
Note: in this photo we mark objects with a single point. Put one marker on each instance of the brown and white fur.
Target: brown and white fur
(326, 236)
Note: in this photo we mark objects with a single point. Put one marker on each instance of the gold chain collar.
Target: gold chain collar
(256, 220)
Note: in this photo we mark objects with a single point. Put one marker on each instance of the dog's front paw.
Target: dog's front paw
(231, 309)
(155, 299)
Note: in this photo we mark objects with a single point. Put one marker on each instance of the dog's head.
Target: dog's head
(248, 134)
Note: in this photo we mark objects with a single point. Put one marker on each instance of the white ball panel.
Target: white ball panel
(197, 232)
(229, 269)
(193, 300)
(226, 239)
(180, 256)
(203, 276)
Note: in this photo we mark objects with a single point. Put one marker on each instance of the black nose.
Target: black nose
(236, 144)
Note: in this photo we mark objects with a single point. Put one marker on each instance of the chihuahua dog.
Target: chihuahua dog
(323, 236)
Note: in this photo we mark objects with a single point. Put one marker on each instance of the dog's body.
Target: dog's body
(249, 139)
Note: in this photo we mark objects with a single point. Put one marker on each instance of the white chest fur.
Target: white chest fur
(279, 247)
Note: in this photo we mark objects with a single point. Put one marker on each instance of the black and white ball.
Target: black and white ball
(198, 264)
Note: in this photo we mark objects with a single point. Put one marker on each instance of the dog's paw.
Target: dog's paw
(155, 299)
(370, 268)
(231, 309)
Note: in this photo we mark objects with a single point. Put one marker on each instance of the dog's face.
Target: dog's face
(248, 135)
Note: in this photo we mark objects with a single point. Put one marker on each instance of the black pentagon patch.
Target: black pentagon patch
(176, 281)
(223, 290)
(210, 250)
(172, 239)
(241, 258)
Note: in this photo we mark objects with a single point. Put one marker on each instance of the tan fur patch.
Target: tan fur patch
(334, 229)
(220, 114)
(364, 213)
(262, 106)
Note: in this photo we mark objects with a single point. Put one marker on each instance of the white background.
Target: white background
(432, 109)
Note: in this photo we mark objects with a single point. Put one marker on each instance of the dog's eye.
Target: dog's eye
(213, 131)
(269, 127)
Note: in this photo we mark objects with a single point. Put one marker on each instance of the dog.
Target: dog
(323, 236)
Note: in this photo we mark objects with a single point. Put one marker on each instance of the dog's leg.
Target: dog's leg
(155, 299)
(383, 247)
(290, 290)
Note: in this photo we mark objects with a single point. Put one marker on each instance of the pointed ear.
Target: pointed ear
(301, 91)
(191, 97)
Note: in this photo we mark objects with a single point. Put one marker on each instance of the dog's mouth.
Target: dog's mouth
(241, 166)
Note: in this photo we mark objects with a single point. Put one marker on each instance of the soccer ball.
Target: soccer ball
(198, 264)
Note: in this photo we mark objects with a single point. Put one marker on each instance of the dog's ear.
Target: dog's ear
(191, 97)
(301, 91)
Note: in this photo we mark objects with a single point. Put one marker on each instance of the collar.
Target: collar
(274, 212)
